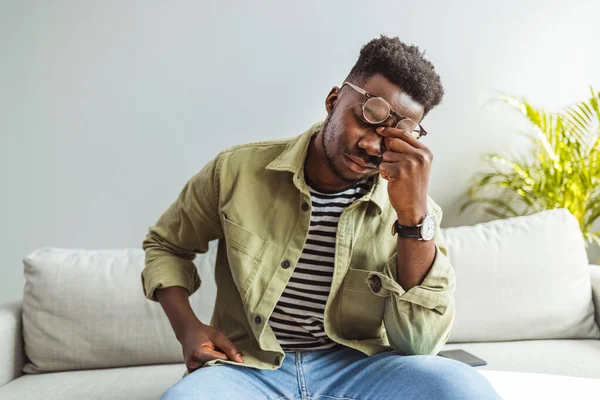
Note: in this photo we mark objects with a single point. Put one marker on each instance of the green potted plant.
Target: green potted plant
(561, 169)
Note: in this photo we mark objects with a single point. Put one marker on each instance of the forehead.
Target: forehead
(400, 101)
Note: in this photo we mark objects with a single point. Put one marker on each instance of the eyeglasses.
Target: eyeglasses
(377, 110)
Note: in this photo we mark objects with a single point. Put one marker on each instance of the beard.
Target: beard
(328, 143)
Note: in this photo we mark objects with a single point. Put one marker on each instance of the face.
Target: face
(353, 149)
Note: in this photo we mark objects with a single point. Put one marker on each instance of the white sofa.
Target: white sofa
(527, 302)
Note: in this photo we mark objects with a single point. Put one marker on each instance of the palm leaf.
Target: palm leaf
(561, 169)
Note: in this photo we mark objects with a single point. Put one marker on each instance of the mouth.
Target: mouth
(358, 165)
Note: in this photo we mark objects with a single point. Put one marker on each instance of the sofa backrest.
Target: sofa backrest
(12, 356)
(521, 278)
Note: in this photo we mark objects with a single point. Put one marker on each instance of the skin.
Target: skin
(401, 159)
(199, 342)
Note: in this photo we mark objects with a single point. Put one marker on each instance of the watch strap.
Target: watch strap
(412, 231)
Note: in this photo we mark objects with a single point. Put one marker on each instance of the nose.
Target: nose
(373, 143)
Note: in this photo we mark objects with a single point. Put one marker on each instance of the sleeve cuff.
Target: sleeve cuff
(433, 293)
(169, 273)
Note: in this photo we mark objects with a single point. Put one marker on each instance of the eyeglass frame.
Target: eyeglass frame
(391, 110)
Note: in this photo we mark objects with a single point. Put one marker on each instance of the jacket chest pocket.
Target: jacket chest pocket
(361, 309)
(245, 253)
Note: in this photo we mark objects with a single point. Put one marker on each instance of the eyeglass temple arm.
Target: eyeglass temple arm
(359, 90)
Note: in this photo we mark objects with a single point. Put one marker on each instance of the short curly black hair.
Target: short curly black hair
(402, 64)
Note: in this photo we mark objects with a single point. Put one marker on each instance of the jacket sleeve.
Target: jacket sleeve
(183, 230)
(419, 321)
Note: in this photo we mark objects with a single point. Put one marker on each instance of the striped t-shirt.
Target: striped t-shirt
(297, 319)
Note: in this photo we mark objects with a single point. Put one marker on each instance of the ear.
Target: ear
(332, 98)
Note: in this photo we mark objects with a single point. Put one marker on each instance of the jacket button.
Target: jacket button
(305, 206)
(285, 264)
(257, 319)
(376, 284)
(277, 360)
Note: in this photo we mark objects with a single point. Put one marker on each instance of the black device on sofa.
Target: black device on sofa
(463, 356)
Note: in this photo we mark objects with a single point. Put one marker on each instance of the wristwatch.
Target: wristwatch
(423, 231)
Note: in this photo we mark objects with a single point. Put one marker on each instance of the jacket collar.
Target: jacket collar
(292, 159)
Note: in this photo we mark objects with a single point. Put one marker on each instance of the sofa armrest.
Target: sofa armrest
(12, 354)
(595, 278)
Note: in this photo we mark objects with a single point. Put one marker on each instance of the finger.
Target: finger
(392, 156)
(228, 347)
(389, 171)
(193, 365)
(206, 354)
(421, 155)
(390, 132)
(408, 160)
(398, 145)
(199, 358)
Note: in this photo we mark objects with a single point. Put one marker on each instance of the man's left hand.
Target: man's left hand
(406, 165)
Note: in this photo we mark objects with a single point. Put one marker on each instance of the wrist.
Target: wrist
(184, 327)
(410, 218)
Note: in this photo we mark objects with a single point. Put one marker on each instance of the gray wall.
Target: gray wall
(108, 107)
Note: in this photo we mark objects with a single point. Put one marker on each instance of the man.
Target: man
(332, 276)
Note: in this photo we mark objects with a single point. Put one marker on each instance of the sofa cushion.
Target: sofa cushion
(130, 383)
(521, 278)
(86, 309)
(571, 357)
(149, 382)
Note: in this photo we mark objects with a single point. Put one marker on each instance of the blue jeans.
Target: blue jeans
(343, 373)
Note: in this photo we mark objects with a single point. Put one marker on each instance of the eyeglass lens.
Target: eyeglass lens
(377, 111)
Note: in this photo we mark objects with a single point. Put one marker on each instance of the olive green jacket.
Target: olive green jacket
(253, 198)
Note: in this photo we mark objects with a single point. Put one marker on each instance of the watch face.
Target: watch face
(428, 228)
